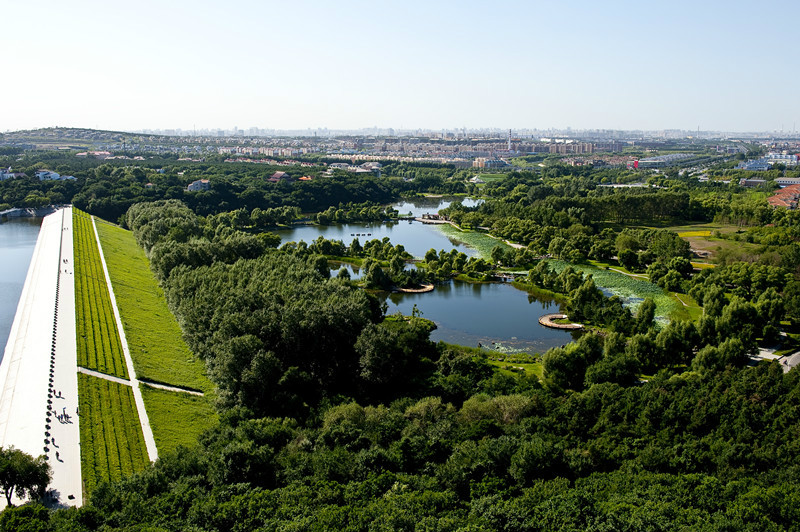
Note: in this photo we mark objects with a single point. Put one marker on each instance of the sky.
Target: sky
(435, 64)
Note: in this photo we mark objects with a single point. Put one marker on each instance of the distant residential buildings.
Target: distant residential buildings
(7, 173)
(756, 165)
(781, 181)
(786, 197)
(484, 162)
(200, 184)
(96, 154)
(49, 175)
(787, 159)
(571, 147)
(279, 176)
(751, 182)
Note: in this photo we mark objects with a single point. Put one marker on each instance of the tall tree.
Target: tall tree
(23, 474)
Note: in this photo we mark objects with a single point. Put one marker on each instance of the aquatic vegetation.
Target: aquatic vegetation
(481, 242)
(632, 291)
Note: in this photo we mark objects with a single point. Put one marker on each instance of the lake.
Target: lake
(417, 238)
(495, 315)
(17, 240)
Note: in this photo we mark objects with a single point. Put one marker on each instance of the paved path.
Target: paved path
(171, 388)
(93, 373)
(681, 300)
(40, 361)
(126, 382)
(634, 275)
(149, 441)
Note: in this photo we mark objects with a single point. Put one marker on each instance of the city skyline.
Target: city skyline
(410, 65)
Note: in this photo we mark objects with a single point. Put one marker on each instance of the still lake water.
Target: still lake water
(417, 238)
(496, 315)
(17, 240)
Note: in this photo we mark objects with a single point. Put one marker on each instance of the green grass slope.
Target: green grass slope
(177, 418)
(154, 337)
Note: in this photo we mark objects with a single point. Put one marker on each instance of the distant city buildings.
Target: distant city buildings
(766, 162)
(364, 168)
(662, 161)
(780, 181)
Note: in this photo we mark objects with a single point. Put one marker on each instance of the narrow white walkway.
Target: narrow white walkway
(126, 382)
(93, 373)
(171, 388)
(40, 359)
(149, 441)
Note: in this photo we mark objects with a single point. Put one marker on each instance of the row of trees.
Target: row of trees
(365, 212)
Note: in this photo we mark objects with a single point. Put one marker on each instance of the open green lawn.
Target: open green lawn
(97, 338)
(488, 177)
(177, 418)
(534, 369)
(112, 445)
(688, 309)
(154, 338)
(505, 363)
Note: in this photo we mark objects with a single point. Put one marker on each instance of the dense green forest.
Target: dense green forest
(335, 416)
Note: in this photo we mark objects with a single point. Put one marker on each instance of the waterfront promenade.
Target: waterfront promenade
(38, 374)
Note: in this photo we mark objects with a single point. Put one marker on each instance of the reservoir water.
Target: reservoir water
(17, 240)
(494, 315)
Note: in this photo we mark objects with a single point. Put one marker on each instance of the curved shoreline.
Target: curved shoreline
(547, 321)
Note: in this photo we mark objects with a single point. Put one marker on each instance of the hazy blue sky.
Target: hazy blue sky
(727, 65)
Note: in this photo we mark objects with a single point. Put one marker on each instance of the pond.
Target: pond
(495, 315)
(17, 240)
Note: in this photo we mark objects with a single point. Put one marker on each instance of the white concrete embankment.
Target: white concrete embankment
(40, 360)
